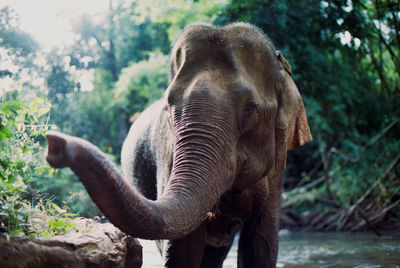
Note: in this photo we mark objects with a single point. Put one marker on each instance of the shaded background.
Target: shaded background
(345, 60)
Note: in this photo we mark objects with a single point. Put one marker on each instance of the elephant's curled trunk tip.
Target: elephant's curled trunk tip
(56, 150)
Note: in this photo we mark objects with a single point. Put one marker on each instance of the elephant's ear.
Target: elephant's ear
(292, 115)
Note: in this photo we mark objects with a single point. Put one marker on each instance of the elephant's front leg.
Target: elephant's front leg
(258, 244)
(221, 232)
(187, 251)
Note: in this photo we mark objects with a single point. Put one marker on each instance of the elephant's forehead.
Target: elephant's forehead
(237, 46)
(237, 33)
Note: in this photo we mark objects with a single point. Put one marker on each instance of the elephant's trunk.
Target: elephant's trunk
(203, 166)
(201, 172)
(116, 198)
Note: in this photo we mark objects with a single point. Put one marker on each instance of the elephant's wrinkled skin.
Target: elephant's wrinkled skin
(208, 157)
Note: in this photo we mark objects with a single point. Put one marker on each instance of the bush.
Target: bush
(142, 83)
(22, 208)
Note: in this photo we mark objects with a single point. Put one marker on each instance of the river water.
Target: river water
(312, 249)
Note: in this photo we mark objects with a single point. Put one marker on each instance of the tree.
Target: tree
(108, 47)
(17, 48)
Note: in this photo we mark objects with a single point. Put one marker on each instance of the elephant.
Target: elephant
(204, 162)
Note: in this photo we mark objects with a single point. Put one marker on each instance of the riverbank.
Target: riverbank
(352, 219)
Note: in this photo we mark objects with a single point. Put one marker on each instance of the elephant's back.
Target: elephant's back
(138, 156)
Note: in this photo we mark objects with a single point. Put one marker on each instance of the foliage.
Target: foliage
(64, 188)
(143, 83)
(20, 162)
(26, 180)
(13, 39)
(17, 51)
(116, 39)
(345, 59)
(178, 14)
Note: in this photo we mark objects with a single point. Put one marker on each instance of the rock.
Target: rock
(94, 245)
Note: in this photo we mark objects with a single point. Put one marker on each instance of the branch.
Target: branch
(367, 221)
(389, 49)
(379, 135)
(327, 166)
(382, 38)
(351, 210)
(391, 7)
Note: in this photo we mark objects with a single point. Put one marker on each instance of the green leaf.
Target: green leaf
(68, 214)
(43, 111)
(33, 106)
(4, 132)
(12, 106)
(41, 169)
(16, 232)
(34, 133)
(47, 234)
(56, 207)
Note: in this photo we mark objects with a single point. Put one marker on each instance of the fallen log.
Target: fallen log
(99, 245)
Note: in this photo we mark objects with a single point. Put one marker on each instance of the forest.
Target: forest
(345, 58)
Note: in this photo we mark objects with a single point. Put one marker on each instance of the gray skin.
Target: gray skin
(208, 157)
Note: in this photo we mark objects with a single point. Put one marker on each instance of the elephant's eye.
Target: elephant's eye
(248, 118)
(250, 108)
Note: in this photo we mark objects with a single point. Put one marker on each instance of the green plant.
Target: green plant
(22, 160)
(142, 83)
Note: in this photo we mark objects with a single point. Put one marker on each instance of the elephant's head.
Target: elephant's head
(234, 112)
(233, 106)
